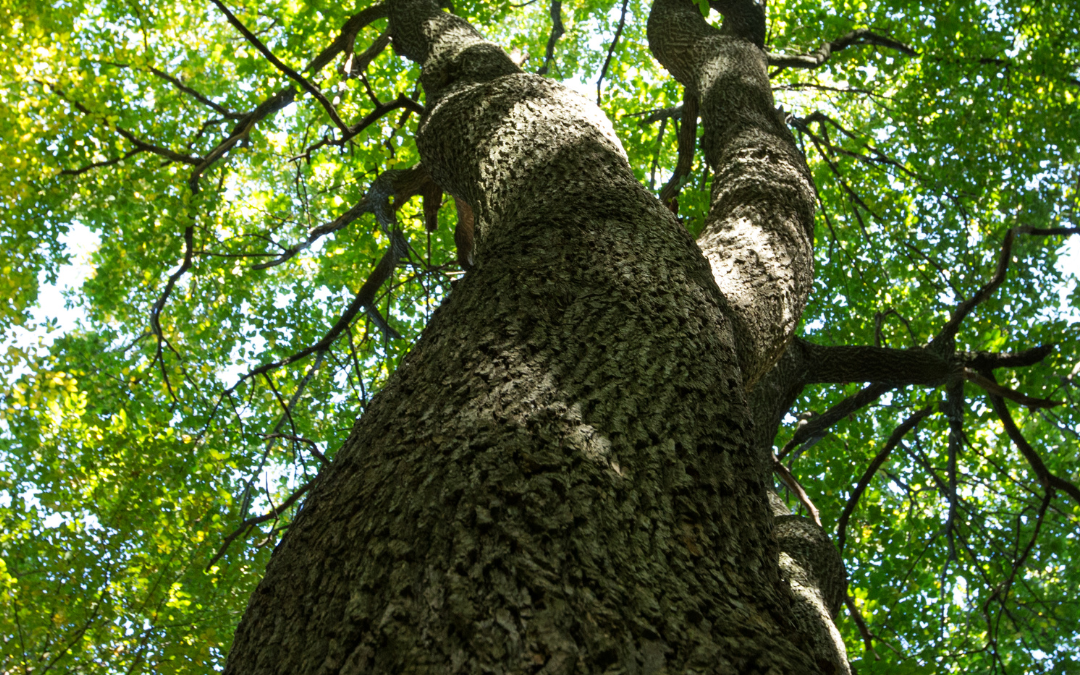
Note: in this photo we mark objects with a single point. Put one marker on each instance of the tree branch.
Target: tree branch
(364, 299)
(1048, 480)
(894, 440)
(687, 146)
(98, 165)
(347, 36)
(300, 439)
(818, 58)
(795, 486)
(949, 331)
(611, 51)
(815, 429)
(1011, 394)
(251, 522)
(293, 75)
(557, 32)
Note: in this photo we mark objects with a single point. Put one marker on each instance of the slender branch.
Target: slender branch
(949, 331)
(856, 616)
(287, 95)
(278, 101)
(816, 428)
(364, 299)
(650, 116)
(356, 65)
(1002, 591)
(406, 184)
(1048, 480)
(98, 165)
(1011, 394)
(293, 75)
(611, 51)
(281, 401)
(875, 464)
(953, 408)
(347, 36)
(656, 157)
(796, 487)
(557, 31)
(818, 58)
(156, 149)
(300, 439)
(132, 138)
(175, 81)
(251, 522)
(687, 146)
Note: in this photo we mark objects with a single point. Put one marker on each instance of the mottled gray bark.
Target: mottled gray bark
(561, 476)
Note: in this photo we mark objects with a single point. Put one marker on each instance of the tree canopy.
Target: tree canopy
(263, 246)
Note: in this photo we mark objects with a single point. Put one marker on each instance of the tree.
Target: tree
(571, 468)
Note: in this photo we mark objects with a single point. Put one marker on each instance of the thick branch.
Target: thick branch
(882, 365)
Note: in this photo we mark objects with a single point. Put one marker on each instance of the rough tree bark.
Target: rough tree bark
(564, 474)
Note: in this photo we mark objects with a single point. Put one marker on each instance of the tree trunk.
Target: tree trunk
(561, 477)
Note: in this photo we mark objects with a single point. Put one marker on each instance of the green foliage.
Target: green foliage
(127, 460)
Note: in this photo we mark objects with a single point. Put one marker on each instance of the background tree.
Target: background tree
(179, 409)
